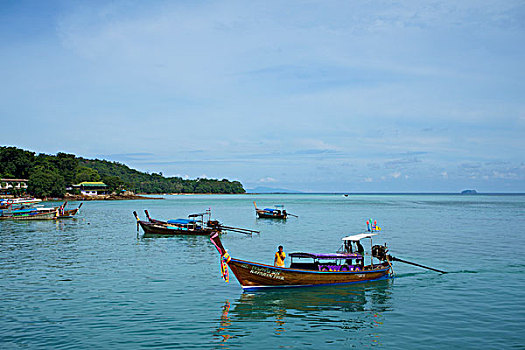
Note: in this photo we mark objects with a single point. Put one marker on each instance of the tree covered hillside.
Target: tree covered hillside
(49, 175)
(156, 183)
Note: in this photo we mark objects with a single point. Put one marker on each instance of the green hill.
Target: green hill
(49, 175)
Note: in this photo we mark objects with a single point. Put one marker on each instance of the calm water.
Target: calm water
(92, 283)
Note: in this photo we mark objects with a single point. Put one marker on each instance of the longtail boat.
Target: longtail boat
(10, 202)
(38, 213)
(194, 225)
(29, 214)
(347, 266)
(320, 269)
(66, 214)
(272, 213)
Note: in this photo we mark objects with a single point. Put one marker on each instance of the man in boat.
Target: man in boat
(361, 251)
(359, 247)
(348, 247)
(279, 257)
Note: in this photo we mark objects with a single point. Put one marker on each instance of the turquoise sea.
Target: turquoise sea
(92, 282)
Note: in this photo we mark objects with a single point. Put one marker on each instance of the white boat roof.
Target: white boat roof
(359, 237)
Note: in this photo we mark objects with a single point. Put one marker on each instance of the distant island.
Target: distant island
(56, 175)
(469, 192)
(262, 189)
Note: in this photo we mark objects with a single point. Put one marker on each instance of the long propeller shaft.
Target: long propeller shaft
(393, 258)
(238, 229)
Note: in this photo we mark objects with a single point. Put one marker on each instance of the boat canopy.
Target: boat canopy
(269, 209)
(359, 237)
(196, 215)
(21, 211)
(326, 256)
(181, 221)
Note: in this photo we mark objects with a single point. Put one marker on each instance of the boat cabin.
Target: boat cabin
(353, 243)
(184, 224)
(338, 262)
(273, 211)
(277, 212)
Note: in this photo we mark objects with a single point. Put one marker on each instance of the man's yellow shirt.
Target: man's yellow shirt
(279, 259)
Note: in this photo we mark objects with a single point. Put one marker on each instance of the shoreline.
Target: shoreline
(109, 197)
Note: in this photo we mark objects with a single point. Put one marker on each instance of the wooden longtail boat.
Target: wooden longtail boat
(36, 213)
(17, 202)
(30, 214)
(270, 213)
(195, 225)
(192, 226)
(67, 214)
(172, 227)
(324, 269)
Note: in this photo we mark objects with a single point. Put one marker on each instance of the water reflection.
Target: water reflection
(186, 240)
(224, 322)
(343, 308)
(269, 222)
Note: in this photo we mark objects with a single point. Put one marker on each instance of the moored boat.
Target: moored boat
(271, 213)
(67, 214)
(194, 225)
(29, 214)
(10, 202)
(172, 227)
(32, 212)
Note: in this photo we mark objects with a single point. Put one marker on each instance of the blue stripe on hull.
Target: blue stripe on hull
(259, 288)
(307, 271)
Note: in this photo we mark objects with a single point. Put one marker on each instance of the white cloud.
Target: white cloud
(332, 82)
(267, 180)
(504, 175)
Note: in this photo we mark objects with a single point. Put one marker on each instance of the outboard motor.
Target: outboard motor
(379, 252)
(213, 224)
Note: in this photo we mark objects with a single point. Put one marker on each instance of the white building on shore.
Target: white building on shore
(8, 186)
(92, 188)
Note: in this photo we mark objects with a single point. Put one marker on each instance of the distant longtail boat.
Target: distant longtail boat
(271, 213)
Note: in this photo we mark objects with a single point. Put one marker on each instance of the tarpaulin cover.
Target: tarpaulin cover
(326, 256)
(181, 221)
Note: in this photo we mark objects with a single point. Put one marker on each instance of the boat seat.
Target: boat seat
(305, 266)
(340, 268)
(329, 268)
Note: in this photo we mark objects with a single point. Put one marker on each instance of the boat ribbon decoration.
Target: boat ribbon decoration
(224, 257)
(372, 226)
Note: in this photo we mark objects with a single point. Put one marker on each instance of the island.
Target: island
(66, 175)
(469, 192)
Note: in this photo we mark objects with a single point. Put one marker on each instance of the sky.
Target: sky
(314, 96)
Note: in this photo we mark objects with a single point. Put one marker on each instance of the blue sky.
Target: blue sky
(317, 96)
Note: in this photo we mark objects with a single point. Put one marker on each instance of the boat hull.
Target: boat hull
(255, 276)
(39, 216)
(156, 229)
(68, 214)
(263, 215)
